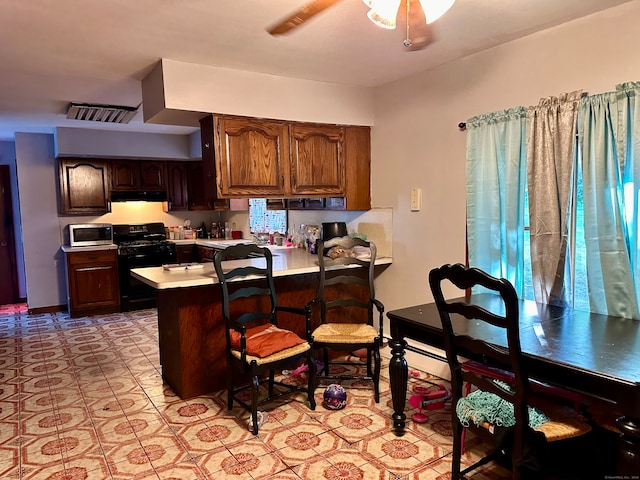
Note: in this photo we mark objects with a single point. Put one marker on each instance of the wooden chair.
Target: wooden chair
(255, 344)
(346, 298)
(523, 446)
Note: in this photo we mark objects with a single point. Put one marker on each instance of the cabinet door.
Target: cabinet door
(253, 157)
(125, 175)
(202, 177)
(185, 253)
(153, 176)
(177, 186)
(92, 282)
(84, 186)
(357, 154)
(317, 166)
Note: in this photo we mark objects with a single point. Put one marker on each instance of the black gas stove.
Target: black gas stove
(140, 245)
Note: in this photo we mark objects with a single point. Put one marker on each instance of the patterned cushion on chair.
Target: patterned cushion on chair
(266, 340)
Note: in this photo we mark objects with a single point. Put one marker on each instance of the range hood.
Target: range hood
(135, 196)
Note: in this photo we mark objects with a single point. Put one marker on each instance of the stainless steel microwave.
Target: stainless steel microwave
(90, 234)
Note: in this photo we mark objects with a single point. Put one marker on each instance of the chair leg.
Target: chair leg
(376, 372)
(325, 357)
(457, 447)
(229, 386)
(272, 375)
(311, 381)
(255, 386)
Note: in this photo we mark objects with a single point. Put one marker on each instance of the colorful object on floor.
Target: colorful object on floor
(428, 398)
(13, 309)
(335, 397)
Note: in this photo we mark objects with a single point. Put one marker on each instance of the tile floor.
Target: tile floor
(84, 399)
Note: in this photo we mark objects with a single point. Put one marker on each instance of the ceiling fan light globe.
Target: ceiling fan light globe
(384, 13)
(434, 9)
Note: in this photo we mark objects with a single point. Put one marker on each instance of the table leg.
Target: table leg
(628, 462)
(398, 377)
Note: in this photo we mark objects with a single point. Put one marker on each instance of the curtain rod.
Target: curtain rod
(462, 126)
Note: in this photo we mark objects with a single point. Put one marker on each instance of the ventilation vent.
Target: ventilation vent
(101, 113)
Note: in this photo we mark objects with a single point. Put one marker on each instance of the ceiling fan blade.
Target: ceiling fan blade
(305, 13)
(419, 32)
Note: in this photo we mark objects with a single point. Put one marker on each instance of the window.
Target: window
(263, 220)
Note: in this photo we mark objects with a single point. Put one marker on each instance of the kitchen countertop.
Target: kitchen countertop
(93, 248)
(286, 261)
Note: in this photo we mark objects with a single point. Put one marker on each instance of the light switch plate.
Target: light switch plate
(416, 199)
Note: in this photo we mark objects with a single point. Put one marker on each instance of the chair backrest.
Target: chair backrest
(248, 292)
(342, 285)
(460, 317)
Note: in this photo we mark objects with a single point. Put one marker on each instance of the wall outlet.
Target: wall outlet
(416, 199)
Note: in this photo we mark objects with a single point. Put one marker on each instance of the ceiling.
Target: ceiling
(53, 52)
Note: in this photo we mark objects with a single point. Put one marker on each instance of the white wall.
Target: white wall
(8, 157)
(39, 213)
(416, 141)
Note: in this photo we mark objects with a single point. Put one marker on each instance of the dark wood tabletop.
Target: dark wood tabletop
(596, 354)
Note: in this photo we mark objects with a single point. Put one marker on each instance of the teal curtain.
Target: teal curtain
(607, 125)
(496, 182)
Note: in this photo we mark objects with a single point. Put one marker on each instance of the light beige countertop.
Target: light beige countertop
(286, 261)
(93, 248)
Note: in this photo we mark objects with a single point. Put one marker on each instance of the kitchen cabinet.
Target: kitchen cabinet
(92, 282)
(317, 166)
(186, 253)
(357, 161)
(252, 157)
(205, 254)
(83, 186)
(177, 190)
(138, 175)
(201, 176)
(314, 166)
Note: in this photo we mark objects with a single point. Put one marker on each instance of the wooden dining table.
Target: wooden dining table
(596, 355)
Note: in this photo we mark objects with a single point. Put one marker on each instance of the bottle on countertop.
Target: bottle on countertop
(227, 231)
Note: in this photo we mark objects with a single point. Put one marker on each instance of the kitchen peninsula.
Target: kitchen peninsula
(190, 324)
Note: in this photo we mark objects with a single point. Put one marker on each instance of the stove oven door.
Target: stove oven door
(134, 294)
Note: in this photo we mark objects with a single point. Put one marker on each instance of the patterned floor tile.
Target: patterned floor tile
(85, 399)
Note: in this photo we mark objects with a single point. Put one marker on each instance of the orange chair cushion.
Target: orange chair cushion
(266, 340)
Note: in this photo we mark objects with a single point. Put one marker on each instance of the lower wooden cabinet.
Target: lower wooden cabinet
(92, 282)
(186, 253)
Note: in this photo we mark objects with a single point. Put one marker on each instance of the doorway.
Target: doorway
(8, 265)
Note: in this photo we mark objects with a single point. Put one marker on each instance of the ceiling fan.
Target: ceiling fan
(414, 15)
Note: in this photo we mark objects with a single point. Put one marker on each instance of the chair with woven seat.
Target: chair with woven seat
(255, 344)
(346, 299)
(501, 412)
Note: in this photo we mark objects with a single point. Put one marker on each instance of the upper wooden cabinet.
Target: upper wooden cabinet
(275, 159)
(202, 175)
(134, 175)
(84, 186)
(317, 165)
(253, 157)
(177, 193)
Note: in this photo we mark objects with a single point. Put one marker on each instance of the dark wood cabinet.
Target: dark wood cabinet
(92, 282)
(252, 157)
(186, 253)
(317, 166)
(314, 166)
(201, 175)
(134, 175)
(177, 191)
(205, 254)
(357, 161)
(84, 186)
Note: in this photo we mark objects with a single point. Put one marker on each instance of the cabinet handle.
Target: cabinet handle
(3, 244)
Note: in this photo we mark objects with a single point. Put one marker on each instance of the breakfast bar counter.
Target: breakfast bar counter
(190, 325)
